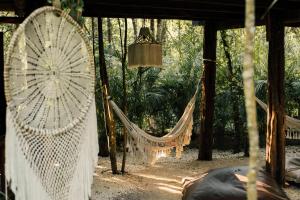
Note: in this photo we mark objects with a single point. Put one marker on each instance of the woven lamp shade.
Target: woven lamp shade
(145, 52)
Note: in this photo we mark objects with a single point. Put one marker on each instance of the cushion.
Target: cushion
(230, 183)
(293, 169)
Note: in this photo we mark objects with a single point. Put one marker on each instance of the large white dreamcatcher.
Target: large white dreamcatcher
(51, 140)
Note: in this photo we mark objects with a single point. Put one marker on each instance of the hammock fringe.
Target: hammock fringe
(292, 124)
(150, 148)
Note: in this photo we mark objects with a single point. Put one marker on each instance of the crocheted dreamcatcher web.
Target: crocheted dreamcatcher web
(50, 73)
(51, 144)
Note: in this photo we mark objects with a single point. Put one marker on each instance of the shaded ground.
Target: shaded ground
(163, 181)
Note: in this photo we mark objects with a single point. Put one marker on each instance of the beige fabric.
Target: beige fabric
(292, 171)
(51, 143)
(151, 148)
(292, 124)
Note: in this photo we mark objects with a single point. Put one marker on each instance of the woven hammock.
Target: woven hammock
(51, 139)
(292, 124)
(150, 148)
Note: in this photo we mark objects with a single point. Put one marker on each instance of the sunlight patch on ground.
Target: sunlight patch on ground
(100, 167)
(113, 180)
(159, 178)
(169, 186)
(170, 190)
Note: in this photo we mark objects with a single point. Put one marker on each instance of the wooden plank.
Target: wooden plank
(292, 16)
(172, 3)
(275, 138)
(140, 12)
(165, 5)
(11, 20)
(208, 92)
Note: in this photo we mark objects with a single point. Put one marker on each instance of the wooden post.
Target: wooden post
(275, 141)
(2, 117)
(208, 92)
(109, 119)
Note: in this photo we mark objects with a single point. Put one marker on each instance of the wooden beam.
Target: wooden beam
(174, 3)
(234, 24)
(208, 92)
(124, 11)
(11, 20)
(168, 6)
(20, 7)
(275, 141)
(292, 16)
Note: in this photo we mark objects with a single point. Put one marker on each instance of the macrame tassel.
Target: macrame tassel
(21, 177)
(88, 159)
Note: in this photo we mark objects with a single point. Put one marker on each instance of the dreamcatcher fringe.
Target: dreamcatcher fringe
(22, 178)
(19, 174)
(88, 160)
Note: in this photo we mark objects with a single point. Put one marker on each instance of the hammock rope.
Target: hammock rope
(151, 148)
(292, 124)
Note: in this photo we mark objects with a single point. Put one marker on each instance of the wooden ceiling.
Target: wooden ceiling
(225, 13)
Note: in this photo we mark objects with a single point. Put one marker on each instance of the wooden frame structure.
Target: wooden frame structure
(214, 15)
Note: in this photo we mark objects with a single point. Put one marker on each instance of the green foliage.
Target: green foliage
(157, 97)
(73, 7)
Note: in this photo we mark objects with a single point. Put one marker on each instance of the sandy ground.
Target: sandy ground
(164, 180)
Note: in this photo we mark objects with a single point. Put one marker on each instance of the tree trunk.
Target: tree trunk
(109, 30)
(207, 92)
(124, 103)
(250, 103)
(246, 146)
(135, 31)
(163, 31)
(275, 149)
(102, 132)
(234, 96)
(109, 119)
(152, 27)
(158, 30)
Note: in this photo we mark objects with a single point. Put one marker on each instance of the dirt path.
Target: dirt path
(162, 181)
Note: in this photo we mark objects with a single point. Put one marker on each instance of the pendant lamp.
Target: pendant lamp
(145, 51)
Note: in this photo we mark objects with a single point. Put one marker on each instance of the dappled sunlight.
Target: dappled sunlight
(244, 179)
(159, 178)
(189, 180)
(100, 167)
(261, 186)
(170, 190)
(161, 155)
(114, 180)
(169, 186)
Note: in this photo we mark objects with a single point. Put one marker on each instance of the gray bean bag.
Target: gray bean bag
(230, 184)
(293, 169)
